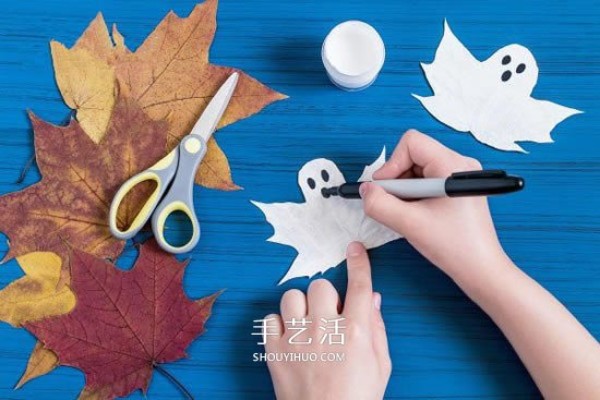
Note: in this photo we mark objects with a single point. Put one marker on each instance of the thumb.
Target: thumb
(380, 342)
(389, 210)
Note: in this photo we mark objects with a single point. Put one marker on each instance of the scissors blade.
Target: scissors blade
(208, 121)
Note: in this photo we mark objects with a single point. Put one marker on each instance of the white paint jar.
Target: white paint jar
(353, 54)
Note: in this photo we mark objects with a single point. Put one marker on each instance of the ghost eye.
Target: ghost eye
(325, 175)
(520, 68)
(506, 76)
(311, 183)
(505, 60)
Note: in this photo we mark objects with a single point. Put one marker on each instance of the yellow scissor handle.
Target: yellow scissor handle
(158, 226)
(161, 173)
(144, 215)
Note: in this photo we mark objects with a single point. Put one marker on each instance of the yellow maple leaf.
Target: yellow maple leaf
(36, 295)
(86, 78)
(83, 85)
(170, 77)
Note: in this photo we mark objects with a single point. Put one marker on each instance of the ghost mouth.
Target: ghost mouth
(328, 192)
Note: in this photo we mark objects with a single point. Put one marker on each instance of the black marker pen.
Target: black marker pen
(459, 184)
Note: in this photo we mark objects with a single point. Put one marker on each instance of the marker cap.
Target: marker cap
(353, 54)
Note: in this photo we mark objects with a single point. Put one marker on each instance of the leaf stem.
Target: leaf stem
(174, 381)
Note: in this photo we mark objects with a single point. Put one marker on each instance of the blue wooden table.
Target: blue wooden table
(442, 345)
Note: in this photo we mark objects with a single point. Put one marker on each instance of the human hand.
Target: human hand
(365, 369)
(456, 234)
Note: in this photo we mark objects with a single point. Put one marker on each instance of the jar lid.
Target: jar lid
(353, 54)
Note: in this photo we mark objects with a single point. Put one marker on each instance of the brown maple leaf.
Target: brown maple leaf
(69, 206)
(169, 75)
(125, 323)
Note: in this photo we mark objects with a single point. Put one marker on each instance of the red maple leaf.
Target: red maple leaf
(69, 207)
(124, 322)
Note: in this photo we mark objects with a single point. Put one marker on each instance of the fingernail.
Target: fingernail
(377, 301)
(355, 249)
(363, 189)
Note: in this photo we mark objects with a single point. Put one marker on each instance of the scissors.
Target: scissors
(174, 177)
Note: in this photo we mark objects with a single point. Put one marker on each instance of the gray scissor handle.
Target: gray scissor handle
(179, 197)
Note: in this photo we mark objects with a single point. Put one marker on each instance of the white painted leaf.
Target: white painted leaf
(491, 99)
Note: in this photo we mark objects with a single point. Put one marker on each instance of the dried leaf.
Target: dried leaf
(119, 40)
(97, 394)
(69, 207)
(37, 295)
(171, 78)
(85, 79)
(214, 170)
(41, 362)
(84, 88)
(124, 322)
(97, 41)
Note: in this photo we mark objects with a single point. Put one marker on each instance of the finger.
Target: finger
(398, 215)
(414, 172)
(380, 343)
(415, 148)
(273, 330)
(293, 305)
(358, 296)
(322, 299)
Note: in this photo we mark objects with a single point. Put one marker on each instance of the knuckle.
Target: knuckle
(319, 284)
(271, 316)
(291, 295)
(358, 285)
(412, 134)
(355, 331)
(293, 292)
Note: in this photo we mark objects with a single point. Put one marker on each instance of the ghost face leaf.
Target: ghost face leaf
(69, 207)
(169, 75)
(321, 228)
(490, 98)
(124, 322)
